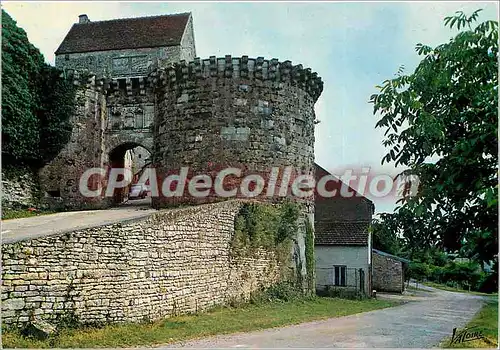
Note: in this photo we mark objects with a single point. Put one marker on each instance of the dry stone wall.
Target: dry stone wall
(175, 261)
(387, 274)
(20, 188)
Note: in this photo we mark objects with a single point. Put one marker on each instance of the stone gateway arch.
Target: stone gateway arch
(224, 111)
(147, 88)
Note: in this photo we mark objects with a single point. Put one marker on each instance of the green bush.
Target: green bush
(418, 271)
(343, 293)
(267, 226)
(281, 292)
(462, 275)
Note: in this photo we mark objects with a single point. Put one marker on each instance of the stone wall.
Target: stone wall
(119, 63)
(20, 188)
(85, 149)
(387, 274)
(175, 261)
(188, 47)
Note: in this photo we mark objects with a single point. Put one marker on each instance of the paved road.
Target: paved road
(422, 322)
(44, 225)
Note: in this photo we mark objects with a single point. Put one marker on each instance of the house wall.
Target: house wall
(188, 48)
(354, 257)
(118, 63)
(387, 274)
(339, 208)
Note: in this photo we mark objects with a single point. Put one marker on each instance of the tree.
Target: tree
(36, 101)
(447, 110)
(57, 96)
(384, 235)
(21, 64)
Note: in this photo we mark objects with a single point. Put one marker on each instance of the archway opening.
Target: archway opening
(135, 158)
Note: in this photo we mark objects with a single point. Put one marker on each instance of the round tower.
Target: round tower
(239, 112)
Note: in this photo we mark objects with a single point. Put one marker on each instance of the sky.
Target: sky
(353, 46)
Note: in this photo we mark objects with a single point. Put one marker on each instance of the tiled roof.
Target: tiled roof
(127, 33)
(341, 233)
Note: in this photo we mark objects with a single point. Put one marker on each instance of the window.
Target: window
(340, 274)
(66, 57)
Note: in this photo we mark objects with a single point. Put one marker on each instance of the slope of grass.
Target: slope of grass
(218, 321)
(451, 289)
(485, 322)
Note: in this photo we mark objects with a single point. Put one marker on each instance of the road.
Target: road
(422, 322)
(39, 226)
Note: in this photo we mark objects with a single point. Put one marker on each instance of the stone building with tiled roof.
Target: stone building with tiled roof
(342, 239)
(120, 54)
(127, 47)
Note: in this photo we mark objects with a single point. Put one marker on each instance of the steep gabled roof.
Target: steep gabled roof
(341, 220)
(341, 233)
(320, 172)
(126, 33)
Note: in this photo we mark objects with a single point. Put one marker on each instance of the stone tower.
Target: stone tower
(252, 114)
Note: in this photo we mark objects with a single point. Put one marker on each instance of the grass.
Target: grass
(452, 289)
(486, 322)
(218, 321)
(8, 214)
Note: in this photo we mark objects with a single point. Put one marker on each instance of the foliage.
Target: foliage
(458, 275)
(216, 321)
(8, 214)
(21, 63)
(264, 226)
(36, 101)
(57, 96)
(281, 292)
(447, 110)
(384, 237)
(418, 271)
(343, 293)
(272, 228)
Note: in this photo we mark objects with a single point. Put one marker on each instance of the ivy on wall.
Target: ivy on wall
(36, 101)
(265, 226)
(273, 228)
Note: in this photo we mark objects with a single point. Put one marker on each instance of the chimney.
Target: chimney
(82, 19)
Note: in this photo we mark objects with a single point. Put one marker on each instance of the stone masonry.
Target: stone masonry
(387, 274)
(252, 114)
(126, 62)
(19, 188)
(175, 261)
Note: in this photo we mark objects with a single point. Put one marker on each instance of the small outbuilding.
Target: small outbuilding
(388, 272)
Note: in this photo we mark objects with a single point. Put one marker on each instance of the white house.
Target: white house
(342, 240)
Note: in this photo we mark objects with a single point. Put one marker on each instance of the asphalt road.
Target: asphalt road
(422, 322)
(39, 226)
